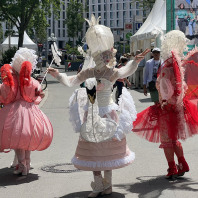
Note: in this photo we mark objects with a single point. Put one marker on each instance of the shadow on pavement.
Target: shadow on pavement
(153, 187)
(85, 194)
(7, 178)
(145, 100)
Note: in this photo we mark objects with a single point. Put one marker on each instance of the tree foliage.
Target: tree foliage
(1, 33)
(24, 12)
(146, 4)
(8, 55)
(74, 19)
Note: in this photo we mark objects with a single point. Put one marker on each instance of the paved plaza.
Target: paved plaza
(52, 175)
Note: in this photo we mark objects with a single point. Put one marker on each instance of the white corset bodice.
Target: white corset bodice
(104, 92)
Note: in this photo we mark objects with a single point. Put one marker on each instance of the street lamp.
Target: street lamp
(51, 39)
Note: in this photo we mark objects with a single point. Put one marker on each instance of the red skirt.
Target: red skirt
(154, 123)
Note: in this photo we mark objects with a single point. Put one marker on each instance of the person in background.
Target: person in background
(121, 82)
(40, 60)
(150, 75)
(192, 22)
(139, 73)
(181, 17)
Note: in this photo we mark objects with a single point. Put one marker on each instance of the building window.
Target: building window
(118, 14)
(137, 12)
(131, 14)
(99, 7)
(63, 15)
(49, 32)
(124, 14)
(137, 5)
(99, 1)
(105, 15)
(111, 15)
(93, 8)
(111, 7)
(49, 22)
(93, 1)
(112, 23)
(105, 8)
(63, 33)
(58, 33)
(58, 23)
(124, 6)
(63, 7)
(117, 6)
(118, 23)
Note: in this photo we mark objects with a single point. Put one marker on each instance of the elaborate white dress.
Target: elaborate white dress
(103, 125)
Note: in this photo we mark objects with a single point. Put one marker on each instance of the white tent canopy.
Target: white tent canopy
(151, 28)
(27, 42)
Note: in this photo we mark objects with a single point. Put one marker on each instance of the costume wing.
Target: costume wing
(190, 64)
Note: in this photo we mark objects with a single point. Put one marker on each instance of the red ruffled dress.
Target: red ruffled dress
(179, 118)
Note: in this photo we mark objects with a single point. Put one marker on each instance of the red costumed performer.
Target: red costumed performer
(176, 116)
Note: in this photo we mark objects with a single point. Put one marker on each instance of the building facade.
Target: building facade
(121, 16)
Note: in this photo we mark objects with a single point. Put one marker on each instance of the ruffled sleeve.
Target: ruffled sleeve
(71, 81)
(127, 70)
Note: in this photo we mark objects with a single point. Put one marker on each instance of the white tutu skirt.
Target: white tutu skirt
(112, 153)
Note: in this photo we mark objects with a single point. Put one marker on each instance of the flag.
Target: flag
(69, 64)
(188, 1)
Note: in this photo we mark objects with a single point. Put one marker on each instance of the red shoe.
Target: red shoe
(172, 170)
(182, 167)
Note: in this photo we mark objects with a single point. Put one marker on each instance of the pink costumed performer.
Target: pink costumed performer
(24, 127)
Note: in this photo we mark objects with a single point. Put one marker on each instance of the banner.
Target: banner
(186, 19)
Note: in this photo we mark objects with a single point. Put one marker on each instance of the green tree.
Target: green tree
(145, 4)
(1, 33)
(21, 12)
(74, 19)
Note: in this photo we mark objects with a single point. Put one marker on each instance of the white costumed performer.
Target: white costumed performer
(102, 123)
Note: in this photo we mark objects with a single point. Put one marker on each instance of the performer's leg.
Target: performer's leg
(172, 170)
(15, 161)
(107, 182)
(183, 165)
(27, 159)
(97, 185)
(22, 169)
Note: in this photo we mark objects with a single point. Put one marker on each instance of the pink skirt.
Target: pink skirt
(102, 156)
(24, 126)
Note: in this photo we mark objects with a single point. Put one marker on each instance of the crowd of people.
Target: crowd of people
(187, 18)
(101, 123)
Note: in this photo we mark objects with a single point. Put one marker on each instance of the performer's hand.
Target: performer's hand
(140, 56)
(164, 103)
(53, 72)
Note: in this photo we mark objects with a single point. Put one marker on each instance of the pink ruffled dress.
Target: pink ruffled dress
(23, 124)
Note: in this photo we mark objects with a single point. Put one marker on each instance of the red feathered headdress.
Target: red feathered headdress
(6, 75)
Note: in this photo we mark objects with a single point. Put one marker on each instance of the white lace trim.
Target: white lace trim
(106, 164)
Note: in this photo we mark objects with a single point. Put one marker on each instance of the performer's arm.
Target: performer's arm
(131, 66)
(71, 80)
